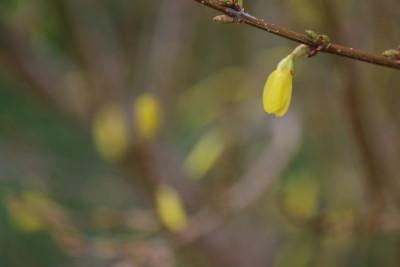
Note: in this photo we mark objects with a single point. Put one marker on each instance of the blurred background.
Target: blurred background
(132, 133)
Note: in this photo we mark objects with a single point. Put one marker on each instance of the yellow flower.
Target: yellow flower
(278, 88)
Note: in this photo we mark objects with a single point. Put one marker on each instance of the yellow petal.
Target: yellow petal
(148, 115)
(272, 93)
(287, 89)
(170, 208)
(277, 91)
(278, 88)
(110, 132)
(282, 111)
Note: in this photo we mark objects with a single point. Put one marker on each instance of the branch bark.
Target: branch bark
(301, 38)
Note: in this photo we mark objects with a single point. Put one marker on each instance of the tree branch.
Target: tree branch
(242, 195)
(301, 38)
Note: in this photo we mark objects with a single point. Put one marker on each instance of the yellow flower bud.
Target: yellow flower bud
(147, 112)
(278, 88)
(24, 217)
(27, 210)
(170, 208)
(205, 154)
(110, 132)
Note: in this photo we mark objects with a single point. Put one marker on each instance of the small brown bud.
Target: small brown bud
(224, 19)
(392, 53)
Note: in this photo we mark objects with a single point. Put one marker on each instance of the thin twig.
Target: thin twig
(301, 38)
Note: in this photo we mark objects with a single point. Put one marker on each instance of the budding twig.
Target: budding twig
(301, 38)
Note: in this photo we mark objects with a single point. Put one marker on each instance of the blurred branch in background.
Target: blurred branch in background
(252, 186)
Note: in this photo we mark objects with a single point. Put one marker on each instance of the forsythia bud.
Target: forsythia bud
(110, 132)
(23, 215)
(205, 154)
(170, 208)
(312, 35)
(278, 88)
(147, 112)
(28, 210)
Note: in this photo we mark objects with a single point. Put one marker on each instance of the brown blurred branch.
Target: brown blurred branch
(374, 171)
(40, 71)
(96, 49)
(301, 38)
(251, 187)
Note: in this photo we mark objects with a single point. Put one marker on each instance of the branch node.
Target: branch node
(237, 15)
(321, 42)
(232, 4)
(392, 53)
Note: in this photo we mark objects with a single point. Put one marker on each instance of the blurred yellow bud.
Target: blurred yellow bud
(26, 210)
(205, 154)
(170, 208)
(278, 88)
(23, 216)
(301, 196)
(148, 115)
(110, 132)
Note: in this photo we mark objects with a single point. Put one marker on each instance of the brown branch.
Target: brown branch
(301, 38)
(246, 192)
(39, 70)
